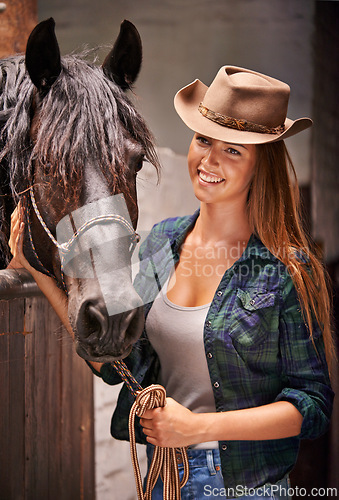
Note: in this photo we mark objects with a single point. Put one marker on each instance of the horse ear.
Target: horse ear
(123, 63)
(43, 60)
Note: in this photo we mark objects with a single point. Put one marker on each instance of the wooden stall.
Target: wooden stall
(46, 398)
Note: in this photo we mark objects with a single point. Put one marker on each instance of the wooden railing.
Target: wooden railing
(17, 283)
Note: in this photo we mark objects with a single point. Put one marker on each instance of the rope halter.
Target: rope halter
(65, 247)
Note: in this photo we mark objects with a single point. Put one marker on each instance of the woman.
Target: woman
(238, 331)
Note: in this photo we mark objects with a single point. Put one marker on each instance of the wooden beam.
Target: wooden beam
(17, 19)
(16, 283)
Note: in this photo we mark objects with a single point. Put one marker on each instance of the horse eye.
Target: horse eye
(139, 164)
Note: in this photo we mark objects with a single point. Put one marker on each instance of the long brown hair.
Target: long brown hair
(274, 213)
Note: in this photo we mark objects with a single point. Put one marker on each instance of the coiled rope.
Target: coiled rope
(164, 460)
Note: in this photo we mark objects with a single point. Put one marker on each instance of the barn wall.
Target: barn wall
(325, 178)
(17, 19)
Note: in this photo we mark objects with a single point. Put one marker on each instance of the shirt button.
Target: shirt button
(216, 385)
(208, 323)
(252, 302)
(209, 355)
(219, 293)
(224, 447)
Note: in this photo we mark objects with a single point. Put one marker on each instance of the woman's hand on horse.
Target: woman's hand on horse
(16, 240)
(171, 426)
(47, 285)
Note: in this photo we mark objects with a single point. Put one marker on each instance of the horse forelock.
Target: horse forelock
(83, 118)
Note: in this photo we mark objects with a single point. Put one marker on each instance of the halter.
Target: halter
(65, 247)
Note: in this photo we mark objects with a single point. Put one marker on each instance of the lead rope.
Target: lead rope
(164, 460)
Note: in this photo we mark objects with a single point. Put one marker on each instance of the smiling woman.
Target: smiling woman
(237, 331)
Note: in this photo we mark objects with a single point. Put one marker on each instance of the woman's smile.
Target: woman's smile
(208, 177)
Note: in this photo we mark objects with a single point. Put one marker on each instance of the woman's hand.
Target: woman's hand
(47, 284)
(16, 240)
(171, 426)
(175, 426)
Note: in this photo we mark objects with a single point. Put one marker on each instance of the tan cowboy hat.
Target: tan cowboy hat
(240, 106)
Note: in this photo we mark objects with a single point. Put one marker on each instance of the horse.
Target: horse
(70, 138)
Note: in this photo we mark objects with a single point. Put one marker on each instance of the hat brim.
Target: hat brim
(186, 103)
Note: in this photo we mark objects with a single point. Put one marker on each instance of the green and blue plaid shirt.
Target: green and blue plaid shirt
(258, 351)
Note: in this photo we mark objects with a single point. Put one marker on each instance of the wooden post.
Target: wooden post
(17, 19)
(46, 400)
(46, 389)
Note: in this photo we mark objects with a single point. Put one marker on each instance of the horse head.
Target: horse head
(74, 167)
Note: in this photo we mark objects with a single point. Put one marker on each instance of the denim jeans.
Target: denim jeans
(205, 480)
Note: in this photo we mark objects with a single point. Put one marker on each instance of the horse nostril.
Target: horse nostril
(94, 321)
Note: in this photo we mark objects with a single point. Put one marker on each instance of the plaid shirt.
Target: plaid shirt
(257, 348)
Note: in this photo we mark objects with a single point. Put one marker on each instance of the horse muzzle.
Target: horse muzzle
(104, 338)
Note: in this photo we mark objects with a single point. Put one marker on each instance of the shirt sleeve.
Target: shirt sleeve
(304, 368)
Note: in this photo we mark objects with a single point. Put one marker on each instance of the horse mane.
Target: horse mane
(12, 75)
(12, 78)
(79, 121)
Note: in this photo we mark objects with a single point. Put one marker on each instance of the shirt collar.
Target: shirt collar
(186, 225)
(254, 248)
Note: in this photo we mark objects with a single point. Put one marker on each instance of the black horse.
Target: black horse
(70, 137)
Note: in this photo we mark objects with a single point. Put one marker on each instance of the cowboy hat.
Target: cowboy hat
(240, 106)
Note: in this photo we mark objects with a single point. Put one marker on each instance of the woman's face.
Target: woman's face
(220, 172)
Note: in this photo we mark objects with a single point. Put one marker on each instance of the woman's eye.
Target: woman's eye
(202, 140)
(233, 151)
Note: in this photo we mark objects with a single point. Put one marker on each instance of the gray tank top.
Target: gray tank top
(176, 334)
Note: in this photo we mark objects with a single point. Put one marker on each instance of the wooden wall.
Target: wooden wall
(46, 409)
(17, 19)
